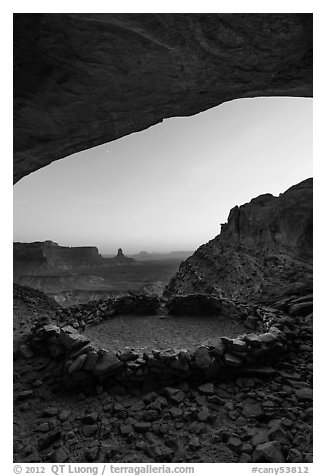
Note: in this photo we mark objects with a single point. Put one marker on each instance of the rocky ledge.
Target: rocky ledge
(264, 251)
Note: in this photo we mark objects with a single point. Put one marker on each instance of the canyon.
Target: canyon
(264, 250)
(212, 360)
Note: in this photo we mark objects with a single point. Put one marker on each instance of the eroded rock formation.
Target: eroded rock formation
(47, 257)
(264, 250)
(81, 80)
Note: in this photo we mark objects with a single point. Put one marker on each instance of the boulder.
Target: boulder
(202, 358)
(269, 452)
(107, 363)
(252, 410)
(305, 394)
(77, 363)
(90, 362)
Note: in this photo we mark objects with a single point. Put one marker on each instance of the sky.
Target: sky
(168, 187)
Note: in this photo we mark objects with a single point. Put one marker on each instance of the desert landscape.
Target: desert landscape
(187, 356)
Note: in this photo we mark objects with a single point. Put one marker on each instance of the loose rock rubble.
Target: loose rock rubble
(246, 399)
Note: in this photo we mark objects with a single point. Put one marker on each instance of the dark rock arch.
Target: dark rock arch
(81, 80)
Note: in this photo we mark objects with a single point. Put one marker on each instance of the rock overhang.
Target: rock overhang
(81, 80)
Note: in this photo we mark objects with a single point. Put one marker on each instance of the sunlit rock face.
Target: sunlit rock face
(81, 80)
(262, 252)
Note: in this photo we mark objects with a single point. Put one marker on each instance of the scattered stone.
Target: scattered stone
(294, 456)
(77, 364)
(50, 438)
(64, 415)
(142, 427)
(50, 411)
(91, 453)
(252, 410)
(194, 443)
(60, 455)
(127, 355)
(206, 389)
(89, 430)
(305, 394)
(244, 458)
(203, 414)
(90, 418)
(126, 430)
(235, 444)
(269, 452)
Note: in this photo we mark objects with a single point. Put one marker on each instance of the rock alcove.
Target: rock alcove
(81, 80)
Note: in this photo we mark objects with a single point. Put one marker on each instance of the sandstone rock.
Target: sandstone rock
(50, 438)
(234, 444)
(194, 443)
(266, 256)
(163, 453)
(252, 410)
(244, 458)
(92, 452)
(71, 339)
(51, 330)
(202, 358)
(294, 456)
(269, 452)
(142, 427)
(239, 345)
(203, 414)
(127, 355)
(277, 433)
(160, 47)
(64, 415)
(50, 411)
(90, 418)
(305, 394)
(107, 363)
(232, 360)
(206, 389)
(126, 430)
(89, 430)
(60, 455)
(177, 397)
(77, 363)
(90, 362)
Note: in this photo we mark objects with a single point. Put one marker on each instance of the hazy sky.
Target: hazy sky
(171, 186)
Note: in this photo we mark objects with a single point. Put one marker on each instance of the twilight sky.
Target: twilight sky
(171, 186)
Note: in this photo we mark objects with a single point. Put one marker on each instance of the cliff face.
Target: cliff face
(48, 257)
(264, 249)
(83, 79)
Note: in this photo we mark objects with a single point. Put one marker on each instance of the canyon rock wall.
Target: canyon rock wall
(81, 80)
(264, 250)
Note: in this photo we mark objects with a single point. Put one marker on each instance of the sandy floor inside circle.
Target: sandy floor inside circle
(162, 332)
